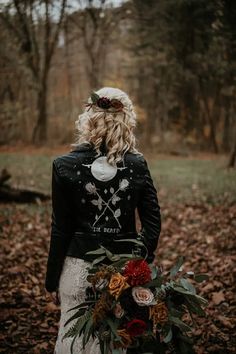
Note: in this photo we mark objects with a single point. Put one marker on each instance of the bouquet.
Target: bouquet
(133, 304)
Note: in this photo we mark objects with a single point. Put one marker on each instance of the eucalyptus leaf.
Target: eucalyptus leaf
(94, 97)
(97, 251)
(154, 283)
(197, 299)
(174, 270)
(116, 351)
(181, 290)
(112, 257)
(194, 307)
(168, 337)
(185, 292)
(98, 260)
(176, 313)
(113, 327)
(126, 255)
(201, 277)
(154, 271)
(187, 285)
(179, 323)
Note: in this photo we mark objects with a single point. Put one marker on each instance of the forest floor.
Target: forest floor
(197, 196)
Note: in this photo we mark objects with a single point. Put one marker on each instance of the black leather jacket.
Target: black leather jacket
(94, 204)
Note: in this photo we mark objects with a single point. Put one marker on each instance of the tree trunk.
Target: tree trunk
(209, 117)
(226, 132)
(41, 127)
(232, 158)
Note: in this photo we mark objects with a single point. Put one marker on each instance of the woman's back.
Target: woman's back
(96, 189)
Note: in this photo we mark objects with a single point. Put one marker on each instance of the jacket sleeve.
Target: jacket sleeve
(61, 229)
(149, 214)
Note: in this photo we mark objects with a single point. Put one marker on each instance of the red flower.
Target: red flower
(136, 327)
(138, 272)
(104, 102)
(116, 104)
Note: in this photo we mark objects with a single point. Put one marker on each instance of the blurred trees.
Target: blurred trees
(176, 59)
(185, 56)
(34, 35)
(94, 24)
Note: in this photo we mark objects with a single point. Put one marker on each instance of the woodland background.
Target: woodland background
(177, 61)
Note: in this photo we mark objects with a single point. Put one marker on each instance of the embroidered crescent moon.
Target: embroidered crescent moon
(102, 170)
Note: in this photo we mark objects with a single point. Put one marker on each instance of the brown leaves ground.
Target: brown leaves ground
(203, 233)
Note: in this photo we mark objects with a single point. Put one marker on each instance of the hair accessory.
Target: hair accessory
(105, 103)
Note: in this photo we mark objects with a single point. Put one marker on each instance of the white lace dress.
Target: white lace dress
(72, 287)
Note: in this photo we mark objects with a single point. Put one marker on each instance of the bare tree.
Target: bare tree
(34, 27)
(94, 25)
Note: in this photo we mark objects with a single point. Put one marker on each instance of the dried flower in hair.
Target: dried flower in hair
(116, 104)
(104, 103)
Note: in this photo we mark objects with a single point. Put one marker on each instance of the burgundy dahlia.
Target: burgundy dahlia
(104, 103)
(136, 327)
(138, 272)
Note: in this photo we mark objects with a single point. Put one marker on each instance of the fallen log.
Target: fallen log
(11, 194)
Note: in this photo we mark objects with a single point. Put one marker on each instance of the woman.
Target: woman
(96, 189)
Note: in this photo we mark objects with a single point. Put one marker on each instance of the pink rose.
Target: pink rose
(143, 296)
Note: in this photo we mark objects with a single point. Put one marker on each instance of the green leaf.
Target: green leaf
(154, 283)
(120, 264)
(187, 285)
(87, 331)
(94, 97)
(84, 304)
(177, 321)
(199, 299)
(97, 251)
(72, 344)
(98, 260)
(75, 329)
(106, 348)
(194, 307)
(174, 270)
(153, 270)
(113, 327)
(201, 277)
(185, 292)
(112, 257)
(125, 255)
(176, 313)
(76, 315)
(181, 290)
(168, 337)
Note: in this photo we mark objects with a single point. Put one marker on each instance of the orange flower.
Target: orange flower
(158, 313)
(126, 340)
(117, 284)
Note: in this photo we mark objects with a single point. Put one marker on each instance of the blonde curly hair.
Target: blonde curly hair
(116, 129)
